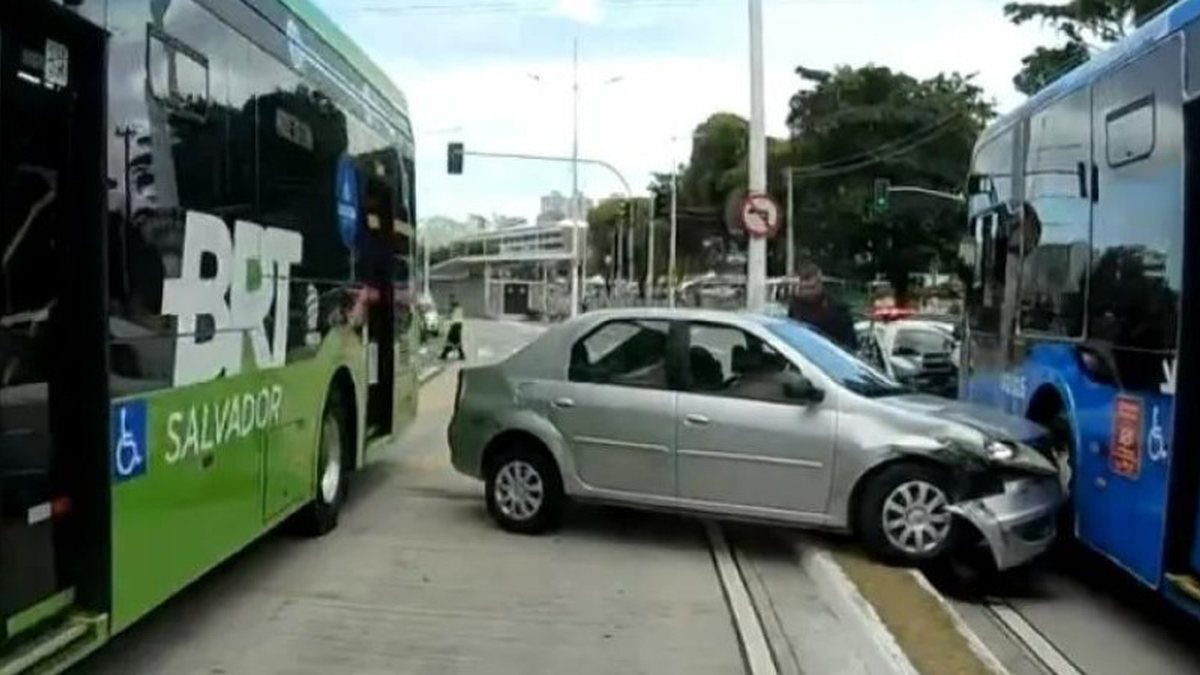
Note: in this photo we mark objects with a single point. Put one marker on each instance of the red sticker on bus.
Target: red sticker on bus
(1125, 458)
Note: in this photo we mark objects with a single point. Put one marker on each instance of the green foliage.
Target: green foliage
(849, 127)
(1086, 25)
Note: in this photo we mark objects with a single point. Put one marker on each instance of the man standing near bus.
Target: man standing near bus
(812, 305)
(454, 335)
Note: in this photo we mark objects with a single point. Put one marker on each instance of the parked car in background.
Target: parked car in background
(920, 353)
(431, 321)
(750, 417)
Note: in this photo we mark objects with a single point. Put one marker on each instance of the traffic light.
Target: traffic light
(454, 159)
(626, 211)
(880, 201)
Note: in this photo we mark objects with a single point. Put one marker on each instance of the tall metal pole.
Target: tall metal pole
(650, 249)
(574, 209)
(425, 251)
(674, 229)
(756, 264)
(789, 225)
(631, 250)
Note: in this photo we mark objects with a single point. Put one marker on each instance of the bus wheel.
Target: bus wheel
(321, 515)
(1064, 457)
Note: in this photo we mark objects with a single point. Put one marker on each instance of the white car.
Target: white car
(921, 353)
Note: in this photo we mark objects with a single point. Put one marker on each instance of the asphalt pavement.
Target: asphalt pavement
(1074, 612)
(416, 579)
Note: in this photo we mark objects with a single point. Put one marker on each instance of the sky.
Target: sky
(468, 69)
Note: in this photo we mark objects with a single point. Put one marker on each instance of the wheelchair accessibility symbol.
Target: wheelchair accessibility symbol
(129, 451)
(1156, 441)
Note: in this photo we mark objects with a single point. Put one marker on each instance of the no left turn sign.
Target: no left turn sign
(760, 215)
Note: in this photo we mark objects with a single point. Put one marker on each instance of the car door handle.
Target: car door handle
(696, 420)
(563, 403)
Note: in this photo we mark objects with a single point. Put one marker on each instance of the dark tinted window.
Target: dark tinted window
(1056, 223)
(912, 341)
(1138, 243)
(627, 353)
(985, 249)
(730, 362)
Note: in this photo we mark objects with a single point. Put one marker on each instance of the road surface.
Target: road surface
(417, 580)
(1074, 613)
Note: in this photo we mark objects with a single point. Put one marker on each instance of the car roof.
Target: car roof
(676, 314)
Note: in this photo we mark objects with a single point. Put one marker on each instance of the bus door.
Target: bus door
(53, 402)
(1137, 192)
(377, 273)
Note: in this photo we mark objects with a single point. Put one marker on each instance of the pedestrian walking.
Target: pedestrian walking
(454, 336)
(812, 305)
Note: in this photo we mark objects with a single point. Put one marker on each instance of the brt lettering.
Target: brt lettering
(269, 251)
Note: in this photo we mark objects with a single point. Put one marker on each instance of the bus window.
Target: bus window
(1056, 220)
(993, 168)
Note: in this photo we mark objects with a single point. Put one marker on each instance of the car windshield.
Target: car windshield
(922, 341)
(850, 371)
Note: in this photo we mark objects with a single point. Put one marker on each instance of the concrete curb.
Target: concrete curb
(976, 645)
(429, 373)
(843, 597)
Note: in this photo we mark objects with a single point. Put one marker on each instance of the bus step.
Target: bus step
(1187, 584)
(58, 648)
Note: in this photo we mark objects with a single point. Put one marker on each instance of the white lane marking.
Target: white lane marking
(745, 620)
(838, 591)
(974, 642)
(1032, 639)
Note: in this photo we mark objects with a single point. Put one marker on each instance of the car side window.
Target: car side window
(725, 361)
(628, 353)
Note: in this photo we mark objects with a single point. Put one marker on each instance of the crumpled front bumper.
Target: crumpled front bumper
(1018, 524)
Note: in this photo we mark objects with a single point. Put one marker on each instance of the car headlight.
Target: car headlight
(999, 451)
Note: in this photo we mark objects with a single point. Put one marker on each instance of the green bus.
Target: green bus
(206, 233)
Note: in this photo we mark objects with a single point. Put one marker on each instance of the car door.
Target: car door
(617, 410)
(740, 440)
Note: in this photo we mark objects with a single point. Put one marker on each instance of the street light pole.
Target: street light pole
(575, 228)
(674, 228)
(650, 248)
(756, 272)
(788, 224)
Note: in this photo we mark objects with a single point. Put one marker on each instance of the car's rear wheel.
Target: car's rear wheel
(524, 491)
(904, 514)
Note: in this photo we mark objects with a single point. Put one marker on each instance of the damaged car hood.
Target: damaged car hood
(993, 423)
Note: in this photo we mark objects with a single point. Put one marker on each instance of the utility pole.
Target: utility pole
(575, 224)
(674, 231)
(630, 262)
(756, 264)
(788, 225)
(650, 248)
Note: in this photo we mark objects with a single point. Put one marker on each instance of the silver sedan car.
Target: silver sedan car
(748, 417)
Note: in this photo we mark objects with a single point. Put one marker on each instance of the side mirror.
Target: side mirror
(801, 389)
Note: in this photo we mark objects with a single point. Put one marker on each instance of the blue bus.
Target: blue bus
(1081, 242)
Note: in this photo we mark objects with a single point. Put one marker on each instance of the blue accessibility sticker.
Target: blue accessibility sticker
(347, 200)
(130, 454)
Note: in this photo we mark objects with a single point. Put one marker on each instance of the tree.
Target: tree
(1087, 25)
(860, 124)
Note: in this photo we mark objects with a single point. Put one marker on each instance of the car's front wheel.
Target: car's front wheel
(904, 515)
(524, 491)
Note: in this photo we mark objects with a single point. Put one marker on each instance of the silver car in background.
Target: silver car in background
(747, 417)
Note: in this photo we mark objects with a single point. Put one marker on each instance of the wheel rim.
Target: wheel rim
(916, 519)
(331, 469)
(519, 490)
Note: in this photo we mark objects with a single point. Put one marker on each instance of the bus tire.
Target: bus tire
(1064, 457)
(334, 444)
